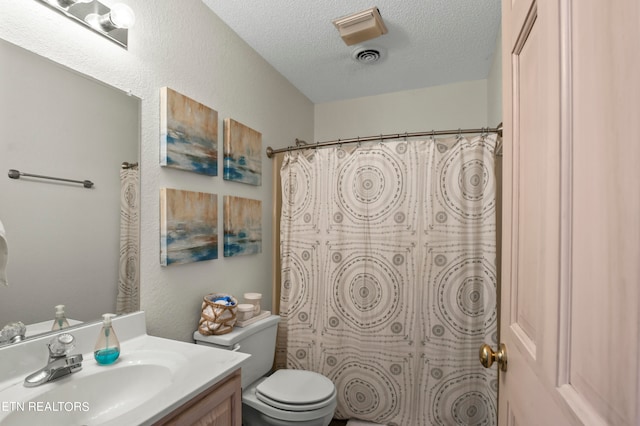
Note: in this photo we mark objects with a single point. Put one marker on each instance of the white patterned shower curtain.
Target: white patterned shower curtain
(128, 299)
(389, 277)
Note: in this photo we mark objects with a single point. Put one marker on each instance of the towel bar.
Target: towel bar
(15, 174)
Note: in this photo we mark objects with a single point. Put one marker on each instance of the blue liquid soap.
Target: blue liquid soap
(60, 321)
(106, 356)
(107, 349)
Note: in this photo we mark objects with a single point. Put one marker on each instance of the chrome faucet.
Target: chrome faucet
(13, 332)
(60, 363)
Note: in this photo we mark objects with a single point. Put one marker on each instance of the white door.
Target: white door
(571, 216)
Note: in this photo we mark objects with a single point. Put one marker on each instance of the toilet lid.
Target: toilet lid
(296, 390)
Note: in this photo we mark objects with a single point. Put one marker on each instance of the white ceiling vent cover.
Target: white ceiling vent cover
(367, 55)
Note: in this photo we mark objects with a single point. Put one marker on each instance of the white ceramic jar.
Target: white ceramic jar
(245, 311)
(254, 299)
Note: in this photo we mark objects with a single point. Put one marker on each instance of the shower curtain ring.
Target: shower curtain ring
(459, 133)
(359, 142)
(433, 135)
(406, 136)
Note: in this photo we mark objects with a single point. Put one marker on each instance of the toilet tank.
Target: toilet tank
(257, 340)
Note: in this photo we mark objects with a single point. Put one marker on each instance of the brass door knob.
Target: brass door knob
(488, 356)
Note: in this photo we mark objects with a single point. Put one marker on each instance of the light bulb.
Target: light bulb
(122, 16)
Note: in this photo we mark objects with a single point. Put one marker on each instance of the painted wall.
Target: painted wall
(452, 106)
(190, 50)
(494, 86)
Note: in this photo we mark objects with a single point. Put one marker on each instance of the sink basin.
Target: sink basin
(97, 394)
(152, 377)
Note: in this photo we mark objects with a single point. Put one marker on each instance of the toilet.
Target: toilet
(286, 397)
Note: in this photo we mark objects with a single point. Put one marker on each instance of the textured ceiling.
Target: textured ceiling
(429, 43)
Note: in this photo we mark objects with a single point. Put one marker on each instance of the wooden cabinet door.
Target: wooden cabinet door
(571, 241)
(220, 405)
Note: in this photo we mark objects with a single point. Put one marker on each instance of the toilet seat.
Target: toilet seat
(296, 412)
(296, 390)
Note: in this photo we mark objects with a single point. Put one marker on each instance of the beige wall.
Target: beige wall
(451, 106)
(190, 50)
(494, 86)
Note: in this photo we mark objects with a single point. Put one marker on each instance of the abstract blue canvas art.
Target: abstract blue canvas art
(188, 134)
(188, 226)
(242, 153)
(242, 226)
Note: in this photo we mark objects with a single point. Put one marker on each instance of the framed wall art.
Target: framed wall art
(188, 226)
(242, 226)
(188, 134)
(242, 153)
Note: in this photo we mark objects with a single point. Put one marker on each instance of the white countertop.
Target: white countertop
(152, 377)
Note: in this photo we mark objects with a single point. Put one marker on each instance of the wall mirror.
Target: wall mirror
(63, 239)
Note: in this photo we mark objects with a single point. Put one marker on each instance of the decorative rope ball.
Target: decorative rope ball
(217, 317)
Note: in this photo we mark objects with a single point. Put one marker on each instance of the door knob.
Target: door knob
(488, 356)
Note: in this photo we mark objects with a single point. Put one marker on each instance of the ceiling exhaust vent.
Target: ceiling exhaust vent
(361, 26)
(366, 55)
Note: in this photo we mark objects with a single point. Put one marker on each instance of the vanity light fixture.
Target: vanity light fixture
(112, 23)
(120, 16)
(66, 4)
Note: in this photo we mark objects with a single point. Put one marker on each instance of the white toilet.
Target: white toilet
(287, 397)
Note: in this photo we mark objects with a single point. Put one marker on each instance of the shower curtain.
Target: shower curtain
(389, 277)
(128, 299)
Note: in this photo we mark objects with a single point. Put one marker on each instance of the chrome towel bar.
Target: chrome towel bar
(15, 174)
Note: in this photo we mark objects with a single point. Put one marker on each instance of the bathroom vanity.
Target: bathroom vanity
(220, 405)
(154, 382)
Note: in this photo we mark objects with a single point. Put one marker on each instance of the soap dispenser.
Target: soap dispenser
(60, 320)
(107, 348)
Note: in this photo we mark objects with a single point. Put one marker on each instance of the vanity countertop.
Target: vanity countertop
(152, 377)
(45, 327)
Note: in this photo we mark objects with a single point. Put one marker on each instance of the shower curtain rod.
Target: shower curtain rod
(300, 144)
